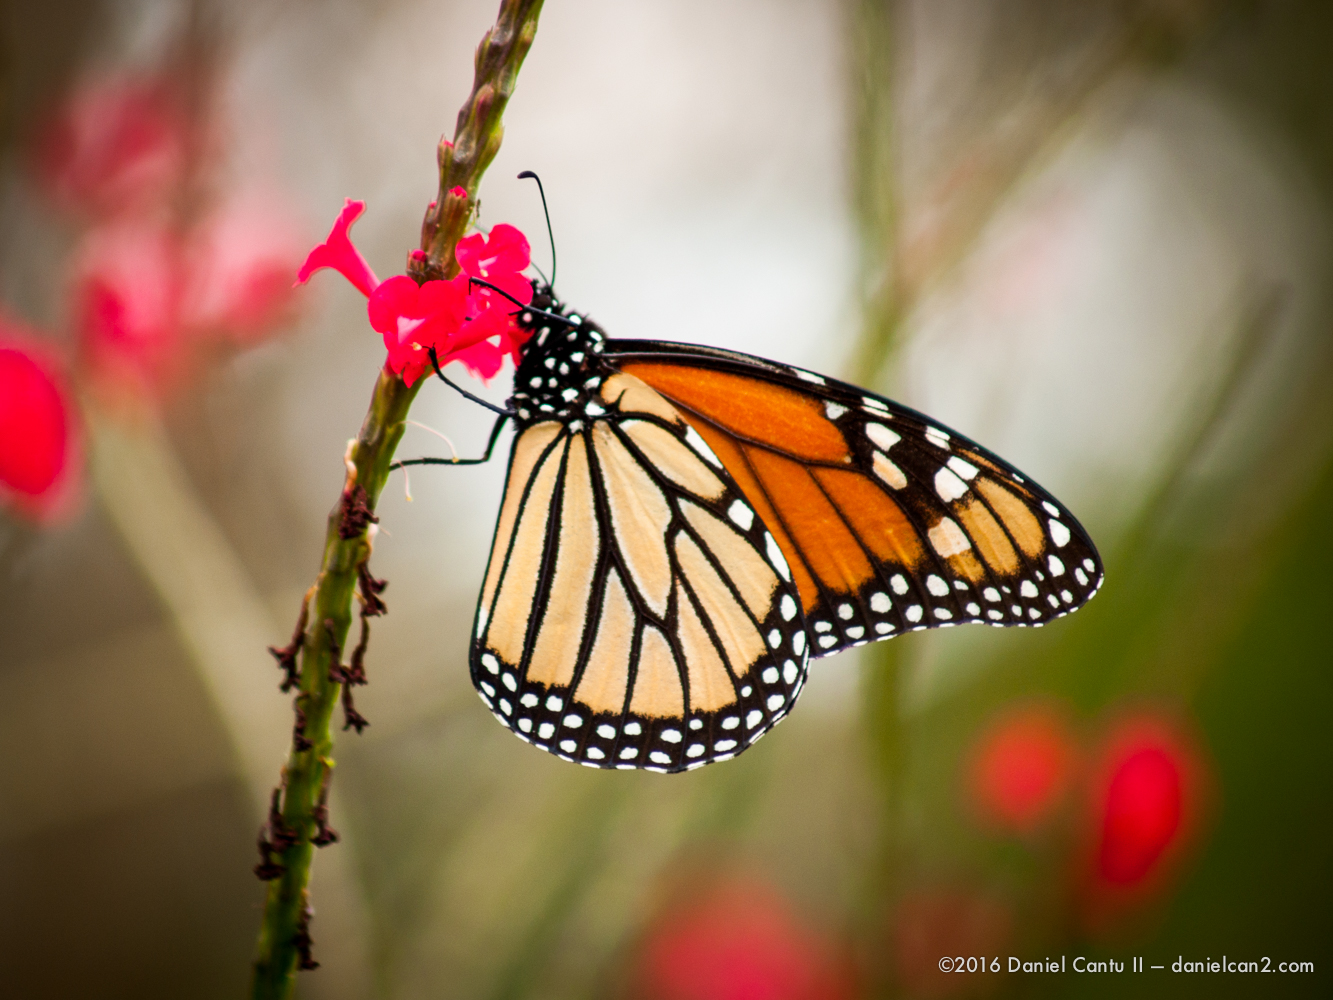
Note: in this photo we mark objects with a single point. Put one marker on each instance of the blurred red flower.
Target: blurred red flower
(150, 300)
(462, 321)
(1146, 795)
(1020, 767)
(241, 261)
(933, 922)
(41, 455)
(738, 940)
(112, 146)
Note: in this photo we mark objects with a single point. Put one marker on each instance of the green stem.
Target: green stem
(283, 938)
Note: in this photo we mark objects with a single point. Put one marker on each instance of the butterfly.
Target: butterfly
(684, 529)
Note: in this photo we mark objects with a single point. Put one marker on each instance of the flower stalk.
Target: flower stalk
(289, 838)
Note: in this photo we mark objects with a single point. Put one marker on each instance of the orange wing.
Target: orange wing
(888, 521)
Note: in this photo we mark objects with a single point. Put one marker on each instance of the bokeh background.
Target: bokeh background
(1093, 236)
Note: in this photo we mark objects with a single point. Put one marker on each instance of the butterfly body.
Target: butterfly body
(684, 528)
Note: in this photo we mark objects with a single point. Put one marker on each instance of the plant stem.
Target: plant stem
(284, 935)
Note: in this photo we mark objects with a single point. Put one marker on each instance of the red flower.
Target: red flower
(40, 447)
(1021, 767)
(931, 923)
(1147, 794)
(461, 321)
(128, 307)
(738, 941)
(1142, 802)
(413, 318)
(339, 253)
(114, 145)
(148, 300)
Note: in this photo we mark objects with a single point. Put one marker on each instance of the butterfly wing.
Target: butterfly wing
(635, 611)
(888, 521)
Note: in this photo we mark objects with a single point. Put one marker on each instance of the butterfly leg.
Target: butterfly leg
(490, 447)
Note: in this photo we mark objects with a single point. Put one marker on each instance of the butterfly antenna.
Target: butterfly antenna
(550, 234)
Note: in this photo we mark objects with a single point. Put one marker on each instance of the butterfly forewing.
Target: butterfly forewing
(888, 521)
(635, 612)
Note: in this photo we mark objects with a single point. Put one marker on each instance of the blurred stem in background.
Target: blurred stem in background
(912, 238)
(284, 938)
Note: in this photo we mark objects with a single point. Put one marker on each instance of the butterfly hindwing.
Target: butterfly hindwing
(888, 521)
(635, 611)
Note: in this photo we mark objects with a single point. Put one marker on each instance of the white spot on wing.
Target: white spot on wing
(1056, 566)
(808, 376)
(776, 557)
(947, 538)
(880, 603)
(882, 436)
(888, 472)
(965, 469)
(693, 439)
(949, 486)
(936, 585)
(899, 584)
(742, 515)
(937, 437)
(1059, 534)
(1028, 589)
(833, 410)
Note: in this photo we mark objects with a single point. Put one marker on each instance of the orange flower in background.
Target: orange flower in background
(1021, 766)
(1146, 794)
(41, 452)
(738, 940)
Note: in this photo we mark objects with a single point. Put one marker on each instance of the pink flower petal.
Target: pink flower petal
(506, 250)
(398, 296)
(338, 253)
(482, 360)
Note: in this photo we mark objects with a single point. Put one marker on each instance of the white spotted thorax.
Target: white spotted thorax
(649, 605)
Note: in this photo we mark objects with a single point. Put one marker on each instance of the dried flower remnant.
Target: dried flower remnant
(461, 321)
(40, 442)
(1020, 768)
(739, 940)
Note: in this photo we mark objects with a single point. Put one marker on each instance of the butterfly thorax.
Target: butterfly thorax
(561, 372)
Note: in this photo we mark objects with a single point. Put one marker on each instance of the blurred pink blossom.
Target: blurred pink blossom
(113, 146)
(738, 940)
(1020, 767)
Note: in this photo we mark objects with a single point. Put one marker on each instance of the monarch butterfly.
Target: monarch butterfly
(684, 528)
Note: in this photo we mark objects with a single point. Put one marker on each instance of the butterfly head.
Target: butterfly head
(560, 373)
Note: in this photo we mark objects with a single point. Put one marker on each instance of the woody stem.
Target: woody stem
(284, 934)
